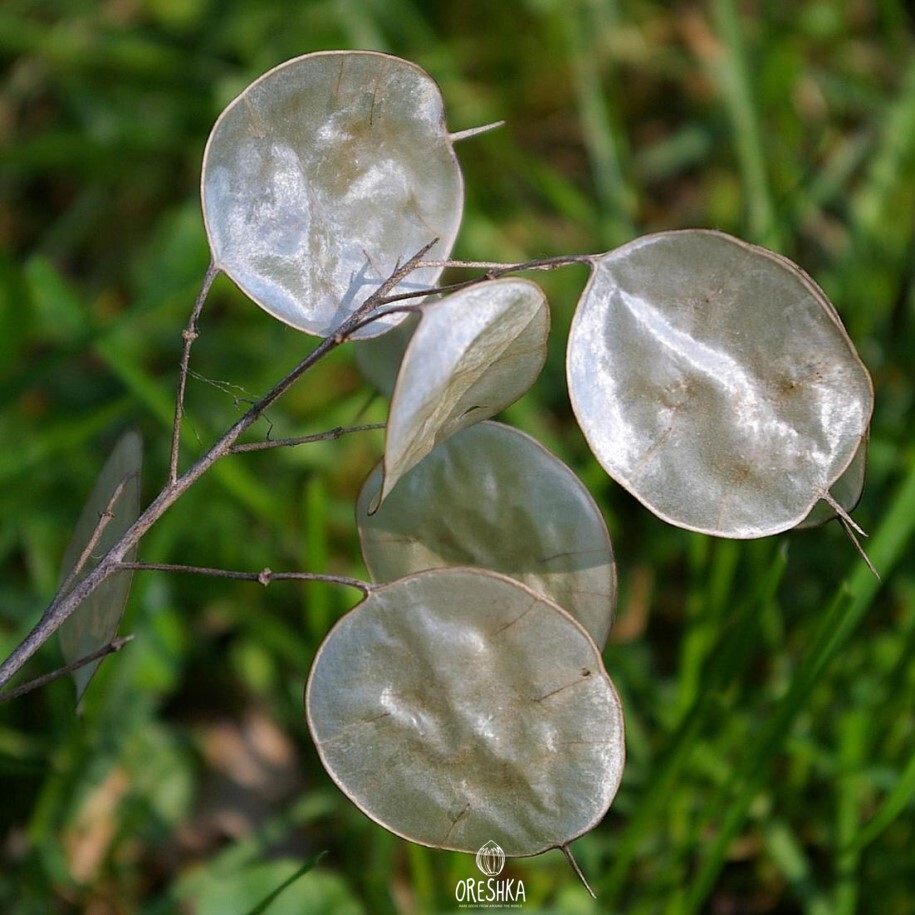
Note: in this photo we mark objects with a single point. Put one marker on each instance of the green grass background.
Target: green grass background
(768, 685)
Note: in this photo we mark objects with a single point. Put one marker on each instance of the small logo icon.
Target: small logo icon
(490, 892)
(490, 859)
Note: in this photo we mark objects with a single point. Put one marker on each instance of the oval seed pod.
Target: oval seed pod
(95, 622)
(457, 707)
(492, 497)
(714, 381)
(474, 353)
(322, 177)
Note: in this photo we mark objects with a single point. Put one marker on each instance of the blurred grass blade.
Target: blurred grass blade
(601, 126)
(838, 624)
(268, 900)
(724, 664)
(893, 805)
(732, 72)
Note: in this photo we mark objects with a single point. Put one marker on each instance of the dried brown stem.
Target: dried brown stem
(496, 269)
(189, 335)
(852, 530)
(568, 853)
(474, 131)
(66, 602)
(328, 436)
(493, 272)
(264, 577)
(113, 646)
(103, 521)
(113, 561)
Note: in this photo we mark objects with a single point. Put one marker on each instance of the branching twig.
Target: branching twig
(264, 577)
(113, 561)
(493, 271)
(380, 296)
(189, 335)
(383, 311)
(568, 853)
(103, 521)
(496, 269)
(328, 436)
(110, 648)
(852, 529)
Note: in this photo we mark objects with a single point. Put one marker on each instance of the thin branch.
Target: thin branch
(103, 521)
(189, 335)
(113, 646)
(852, 530)
(423, 294)
(568, 853)
(474, 131)
(839, 509)
(384, 312)
(113, 560)
(467, 265)
(495, 269)
(380, 295)
(330, 435)
(264, 577)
